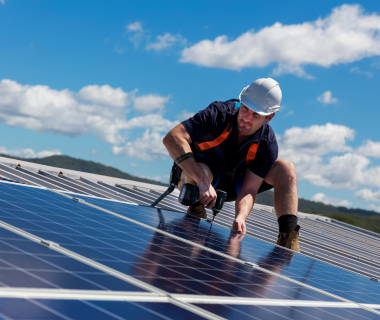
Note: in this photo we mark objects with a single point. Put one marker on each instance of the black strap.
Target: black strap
(183, 157)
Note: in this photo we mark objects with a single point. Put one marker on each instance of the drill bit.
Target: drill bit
(214, 213)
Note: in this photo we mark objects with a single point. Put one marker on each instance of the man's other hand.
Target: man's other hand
(239, 225)
(207, 194)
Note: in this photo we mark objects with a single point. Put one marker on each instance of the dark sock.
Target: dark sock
(287, 223)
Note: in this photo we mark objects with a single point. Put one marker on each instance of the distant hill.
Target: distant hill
(357, 211)
(308, 206)
(365, 219)
(67, 162)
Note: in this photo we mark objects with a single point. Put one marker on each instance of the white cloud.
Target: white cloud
(136, 33)
(134, 164)
(370, 149)
(359, 71)
(94, 151)
(184, 114)
(43, 109)
(104, 95)
(2, 1)
(318, 140)
(321, 197)
(29, 153)
(346, 35)
(308, 149)
(374, 208)
(165, 41)
(155, 121)
(327, 98)
(150, 102)
(148, 147)
(340, 172)
(135, 26)
(368, 195)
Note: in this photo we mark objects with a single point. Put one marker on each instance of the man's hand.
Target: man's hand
(245, 199)
(239, 225)
(207, 194)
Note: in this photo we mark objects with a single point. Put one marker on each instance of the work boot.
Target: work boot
(197, 209)
(289, 240)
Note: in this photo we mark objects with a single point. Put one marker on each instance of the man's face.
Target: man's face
(249, 121)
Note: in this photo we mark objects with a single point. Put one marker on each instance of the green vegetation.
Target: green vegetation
(66, 162)
(365, 219)
(369, 222)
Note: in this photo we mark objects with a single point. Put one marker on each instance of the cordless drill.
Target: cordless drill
(189, 195)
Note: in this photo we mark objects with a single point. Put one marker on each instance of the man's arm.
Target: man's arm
(245, 199)
(177, 142)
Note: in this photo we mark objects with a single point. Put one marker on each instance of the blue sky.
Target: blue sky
(105, 80)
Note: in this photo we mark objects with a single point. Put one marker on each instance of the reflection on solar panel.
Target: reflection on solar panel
(101, 257)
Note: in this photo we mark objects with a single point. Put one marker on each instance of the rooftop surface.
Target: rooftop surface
(113, 256)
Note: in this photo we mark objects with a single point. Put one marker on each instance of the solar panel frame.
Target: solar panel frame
(112, 194)
(13, 174)
(55, 184)
(87, 188)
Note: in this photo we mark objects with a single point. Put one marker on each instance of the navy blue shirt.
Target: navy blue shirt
(208, 124)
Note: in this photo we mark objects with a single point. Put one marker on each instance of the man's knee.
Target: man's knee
(283, 170)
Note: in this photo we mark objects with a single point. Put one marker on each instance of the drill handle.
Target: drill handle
(221, 197)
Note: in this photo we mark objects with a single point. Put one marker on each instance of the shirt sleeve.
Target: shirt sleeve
(266, 156)
(208, 121)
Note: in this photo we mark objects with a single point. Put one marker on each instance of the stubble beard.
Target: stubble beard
(246, 130)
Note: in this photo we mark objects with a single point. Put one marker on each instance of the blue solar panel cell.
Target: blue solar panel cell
(171, 264)
(147, 310)
(309, 271)
(18, 309)
(95, 310)
(157, 259)
(26, 264)
(235, 312)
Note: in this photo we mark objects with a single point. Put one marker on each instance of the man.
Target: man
(231, 146)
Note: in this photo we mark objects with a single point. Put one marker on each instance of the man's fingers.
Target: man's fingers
(211, 203)
(207, 202)
(239, 226)
(207, 199)
(203, 198)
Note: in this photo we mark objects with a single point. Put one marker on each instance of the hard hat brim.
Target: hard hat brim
(254, 107)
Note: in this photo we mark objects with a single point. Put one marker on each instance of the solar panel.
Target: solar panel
(181, 255)
(298, 267)
(94, 310)
(134, 250)
(26, 264)
(283, 312)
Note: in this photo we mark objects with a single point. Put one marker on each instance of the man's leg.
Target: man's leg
(284, 179)
(282, 176)
(196, 209)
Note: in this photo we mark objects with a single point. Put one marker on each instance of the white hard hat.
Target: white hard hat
(263, 96)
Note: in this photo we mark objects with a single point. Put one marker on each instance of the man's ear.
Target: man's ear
(270, 117)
